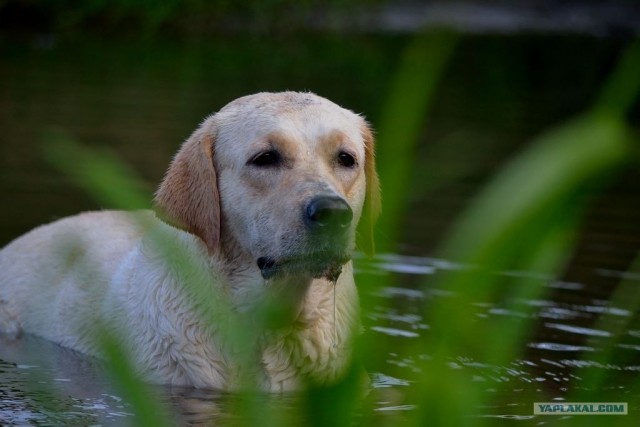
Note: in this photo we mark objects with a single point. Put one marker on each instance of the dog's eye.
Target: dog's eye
(347, 160)
(267, 158)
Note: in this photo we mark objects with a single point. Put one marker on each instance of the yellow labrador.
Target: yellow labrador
(263, 200)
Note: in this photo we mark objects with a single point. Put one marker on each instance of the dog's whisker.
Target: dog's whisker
(335, 326)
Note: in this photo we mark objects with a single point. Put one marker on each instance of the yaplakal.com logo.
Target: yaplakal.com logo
(580, 408)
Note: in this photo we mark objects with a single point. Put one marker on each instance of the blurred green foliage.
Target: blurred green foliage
(526, 219)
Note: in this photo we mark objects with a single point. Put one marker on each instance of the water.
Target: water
(557, 353)
(43, 383)
(140, 99)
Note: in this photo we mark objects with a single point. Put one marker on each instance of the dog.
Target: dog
(257, 213)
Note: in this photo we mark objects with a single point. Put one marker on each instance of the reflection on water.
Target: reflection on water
(44, 384)
(41, 383)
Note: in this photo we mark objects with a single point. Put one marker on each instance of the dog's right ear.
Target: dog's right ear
(188, 196)
(371, 209)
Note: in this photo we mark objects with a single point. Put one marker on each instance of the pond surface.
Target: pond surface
(141, 99)
(44, 384)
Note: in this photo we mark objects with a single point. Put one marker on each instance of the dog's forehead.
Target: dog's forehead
(276, 102)
(299, 115)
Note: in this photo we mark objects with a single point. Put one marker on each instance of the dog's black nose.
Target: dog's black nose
(329, 212)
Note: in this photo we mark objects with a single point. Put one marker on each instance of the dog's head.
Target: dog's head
(278, 178)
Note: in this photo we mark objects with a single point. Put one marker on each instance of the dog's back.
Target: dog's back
(53, 278)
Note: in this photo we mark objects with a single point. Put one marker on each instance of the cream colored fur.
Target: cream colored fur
(169, 283)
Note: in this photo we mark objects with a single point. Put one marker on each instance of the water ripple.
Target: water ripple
(578, 330)
(380, 380)
(552, 346)
(395, 332)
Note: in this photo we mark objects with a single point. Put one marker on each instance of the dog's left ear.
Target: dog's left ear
(188, 197)
(371, 209)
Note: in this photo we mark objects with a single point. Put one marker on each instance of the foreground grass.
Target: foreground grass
(526, 219)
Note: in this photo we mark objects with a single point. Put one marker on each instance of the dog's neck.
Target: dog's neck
(278, 301)
(281, 299)
(314, 313)
(302, 325)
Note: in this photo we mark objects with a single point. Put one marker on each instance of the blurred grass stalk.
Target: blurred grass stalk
(112, 184)
(407, 104)
(409, 98)
(526, 219)
(98, 172)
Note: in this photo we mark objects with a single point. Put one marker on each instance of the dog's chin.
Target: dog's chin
(315, 266)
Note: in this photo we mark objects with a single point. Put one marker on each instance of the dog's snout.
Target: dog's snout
(330, 212)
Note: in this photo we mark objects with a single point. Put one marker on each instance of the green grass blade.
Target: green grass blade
(98, 172)
(145, 402)
(524, 219)
(621, 89)
(411, 94)
(627, 298)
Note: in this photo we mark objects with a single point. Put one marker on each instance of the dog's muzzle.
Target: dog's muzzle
(328, 222)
